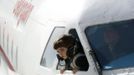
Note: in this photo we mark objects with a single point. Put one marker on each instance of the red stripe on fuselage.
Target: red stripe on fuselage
(6, 59)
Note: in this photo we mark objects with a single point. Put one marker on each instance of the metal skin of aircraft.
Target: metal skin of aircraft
(28, 29)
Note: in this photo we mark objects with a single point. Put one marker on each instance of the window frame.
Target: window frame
(45, 49)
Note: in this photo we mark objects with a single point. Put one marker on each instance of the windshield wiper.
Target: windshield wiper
(97, 65)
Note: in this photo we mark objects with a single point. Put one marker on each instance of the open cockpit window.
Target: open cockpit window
(51, 59)
(113, 44)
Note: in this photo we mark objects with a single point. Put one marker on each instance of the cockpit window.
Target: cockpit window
(113, 44)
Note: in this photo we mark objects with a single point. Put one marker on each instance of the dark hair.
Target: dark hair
(65, 41)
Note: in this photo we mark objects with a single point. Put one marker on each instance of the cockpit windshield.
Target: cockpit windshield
(113, 44)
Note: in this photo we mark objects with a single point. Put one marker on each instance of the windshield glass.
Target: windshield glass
(113, 44)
